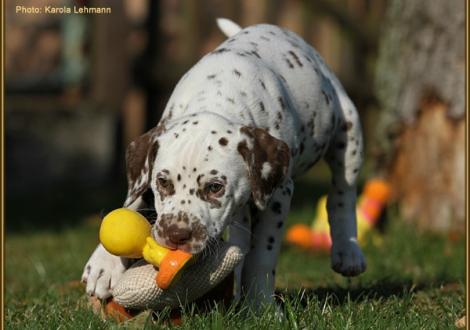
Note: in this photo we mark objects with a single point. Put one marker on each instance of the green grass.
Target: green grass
(414, 280)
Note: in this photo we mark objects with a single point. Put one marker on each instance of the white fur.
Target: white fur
(266, 170)
(101, 273)
(228, 27)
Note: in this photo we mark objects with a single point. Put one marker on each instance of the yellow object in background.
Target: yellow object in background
(370, 205)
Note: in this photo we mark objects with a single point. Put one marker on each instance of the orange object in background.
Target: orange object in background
(300, 235)
(370, 206)
(372, 201)
(306, 238)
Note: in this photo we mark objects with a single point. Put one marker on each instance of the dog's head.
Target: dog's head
(198, 172)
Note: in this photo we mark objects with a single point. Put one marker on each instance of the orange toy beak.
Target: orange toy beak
(171, 264)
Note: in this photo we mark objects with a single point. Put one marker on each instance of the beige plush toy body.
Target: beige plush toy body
(137, 289)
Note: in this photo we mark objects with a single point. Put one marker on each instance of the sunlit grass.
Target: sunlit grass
(414, 280)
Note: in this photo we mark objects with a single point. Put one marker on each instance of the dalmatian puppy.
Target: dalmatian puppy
(248, 118)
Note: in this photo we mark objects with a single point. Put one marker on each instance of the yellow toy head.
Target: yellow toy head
(124, 232)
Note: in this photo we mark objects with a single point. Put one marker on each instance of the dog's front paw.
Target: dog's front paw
(347, 258)
(102, 271)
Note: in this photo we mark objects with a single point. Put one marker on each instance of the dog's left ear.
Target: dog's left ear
(267, 159)
(140, 158)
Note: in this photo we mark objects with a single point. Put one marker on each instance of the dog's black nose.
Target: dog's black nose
(180, 236)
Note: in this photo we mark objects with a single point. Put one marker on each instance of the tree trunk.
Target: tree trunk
(420, 85)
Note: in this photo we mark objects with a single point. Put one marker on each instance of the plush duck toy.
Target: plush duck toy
(126, 233)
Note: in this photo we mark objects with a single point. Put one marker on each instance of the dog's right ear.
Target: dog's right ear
(140, 157)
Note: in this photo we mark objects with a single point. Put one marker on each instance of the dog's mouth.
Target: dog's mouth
(193, 246)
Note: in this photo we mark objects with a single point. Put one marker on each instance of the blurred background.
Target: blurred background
(79, 88)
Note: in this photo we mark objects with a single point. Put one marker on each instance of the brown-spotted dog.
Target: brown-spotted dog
(247, 119)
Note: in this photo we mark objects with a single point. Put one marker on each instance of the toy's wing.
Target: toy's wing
(137, 288)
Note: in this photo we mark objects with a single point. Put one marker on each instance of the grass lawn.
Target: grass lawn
(414, 281)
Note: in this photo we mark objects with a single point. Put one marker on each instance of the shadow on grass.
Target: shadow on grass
(383, 289)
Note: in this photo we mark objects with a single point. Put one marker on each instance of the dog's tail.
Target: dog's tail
(228, 27)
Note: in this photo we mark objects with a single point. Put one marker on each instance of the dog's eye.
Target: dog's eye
(163, 182)
(214, 188)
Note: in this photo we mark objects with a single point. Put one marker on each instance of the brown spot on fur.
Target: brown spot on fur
(268, 149)
(199, 177)
(254, 52)
(289, 63)
(301, 148)
(261, 105)
(281, 102)
(346, 126)
(296, 58)
(276, 207)
(223, 141)
(327, 99)
(262, 84)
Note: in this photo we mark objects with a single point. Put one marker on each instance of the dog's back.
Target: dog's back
(269, 77)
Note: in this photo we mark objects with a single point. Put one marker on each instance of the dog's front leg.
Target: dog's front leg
(345, 158)
(240, 235)
(267, 232)
(103, 270)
